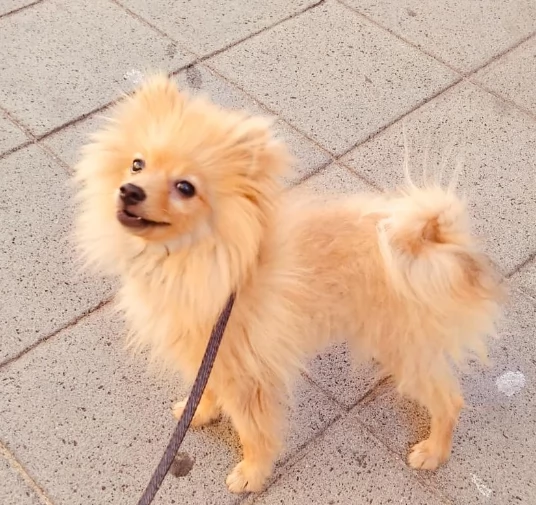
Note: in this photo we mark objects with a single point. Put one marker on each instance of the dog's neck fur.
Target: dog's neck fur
(201, 268)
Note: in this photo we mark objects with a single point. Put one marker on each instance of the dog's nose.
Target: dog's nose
(131, 194)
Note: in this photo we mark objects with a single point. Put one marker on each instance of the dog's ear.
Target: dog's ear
(265, 153)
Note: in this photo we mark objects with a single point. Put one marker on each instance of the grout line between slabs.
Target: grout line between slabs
(498, 56)
(20, 470)
(335, 158)
(197, 60)
(294, 458)
(19, 9)
(400, 37)
(215, 52)
(477, 84)
(462, 73)
(380, 387)
(519, 267)
(287, 464)
(415, 475)
(73, 322)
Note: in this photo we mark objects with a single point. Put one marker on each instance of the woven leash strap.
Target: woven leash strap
(191, 405)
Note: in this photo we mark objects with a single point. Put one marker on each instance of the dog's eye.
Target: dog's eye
(137, 165)
(185, 189)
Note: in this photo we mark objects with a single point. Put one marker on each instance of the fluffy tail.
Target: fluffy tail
(431, 258)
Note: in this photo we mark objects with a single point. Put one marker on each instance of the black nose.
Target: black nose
(131, 194)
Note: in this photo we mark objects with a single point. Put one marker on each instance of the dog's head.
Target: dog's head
(174, 170)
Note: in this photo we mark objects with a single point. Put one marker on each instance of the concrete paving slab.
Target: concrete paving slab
(495, 442)
(513, 75)
(67, 142)
(199, 79)
(11, 136)
(496, 143)
(204, 26)
(86, 56)
(14, 491)
(41, 288)
(333, 75)
(526, 278)
(347, 466)
(463, 33)
(90, 422)
(341, 377)
(334, 180)
(11, 5)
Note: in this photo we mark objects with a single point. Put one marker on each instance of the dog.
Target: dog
(183, 200)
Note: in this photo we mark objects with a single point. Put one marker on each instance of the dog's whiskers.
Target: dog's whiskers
(407, 174)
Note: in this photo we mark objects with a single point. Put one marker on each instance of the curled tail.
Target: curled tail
(428, 250)
(432, 260)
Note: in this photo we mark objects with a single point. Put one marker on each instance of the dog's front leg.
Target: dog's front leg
(258, 415)
(207, 410)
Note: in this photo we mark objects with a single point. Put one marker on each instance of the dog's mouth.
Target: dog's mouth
(131, 220)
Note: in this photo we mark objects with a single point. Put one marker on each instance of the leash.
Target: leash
(191, 405)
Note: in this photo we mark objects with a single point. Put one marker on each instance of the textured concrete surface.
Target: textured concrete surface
(463, 33)
(42, 289)
(345, 466)
(513, 76)
(82, 420)
(10, 135)
(108, 419)
(334, 75)
(526, 278)
(9, 6)
(87, 53)
(13, 488)
(205, 26)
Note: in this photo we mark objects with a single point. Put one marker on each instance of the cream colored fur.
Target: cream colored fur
(397, 275)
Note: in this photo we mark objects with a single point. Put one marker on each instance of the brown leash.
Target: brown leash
(191, 405)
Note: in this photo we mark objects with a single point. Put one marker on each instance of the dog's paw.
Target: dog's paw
(426, 455)
(202, 416)
(246, 477)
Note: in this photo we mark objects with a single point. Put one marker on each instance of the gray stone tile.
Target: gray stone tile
(85, 55)
(41, 288)
(14, 491)
(11, 5)
(66, 143)
(204, 26)
(336, 372)
(199, 79)
(497, 145)
(90, 422)
(11, 135)
(335, 76)
(344, 467)
(464, 33)
(526, 278)
(333, 180)
(495, 441)
(513, 75)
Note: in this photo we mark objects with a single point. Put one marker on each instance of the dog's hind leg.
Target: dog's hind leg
(433, 386)
(258, 415)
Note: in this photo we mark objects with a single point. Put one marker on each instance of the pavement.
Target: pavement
(82, 421)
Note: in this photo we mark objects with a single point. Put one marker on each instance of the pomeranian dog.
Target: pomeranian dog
(183, 201)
